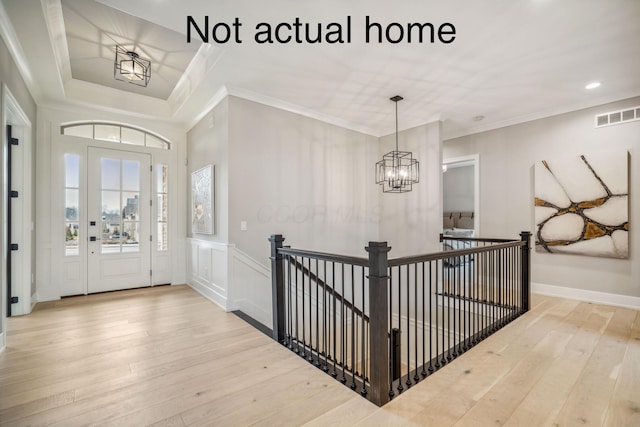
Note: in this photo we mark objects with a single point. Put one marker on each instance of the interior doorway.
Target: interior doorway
(461, 193)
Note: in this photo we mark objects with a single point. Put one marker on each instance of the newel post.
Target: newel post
(379, 322)
(525, 236)
(277, 287)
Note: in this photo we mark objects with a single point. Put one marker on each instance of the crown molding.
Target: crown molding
(550, 112)
(54, 19)
(17, 53)
(297, 109)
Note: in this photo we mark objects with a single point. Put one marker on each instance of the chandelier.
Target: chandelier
(130, 67)
(398, 170)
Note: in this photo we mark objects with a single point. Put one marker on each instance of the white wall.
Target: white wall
(506, 182)
(281, 173)
(457, 189)
(310, 181)
(411, 223)
(208, 144)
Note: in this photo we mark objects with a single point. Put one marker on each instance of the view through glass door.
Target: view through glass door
(119, 220)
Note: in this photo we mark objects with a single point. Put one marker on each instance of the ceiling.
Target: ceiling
(511, 60)
(93, 30)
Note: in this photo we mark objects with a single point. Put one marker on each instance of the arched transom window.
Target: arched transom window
(116, 132)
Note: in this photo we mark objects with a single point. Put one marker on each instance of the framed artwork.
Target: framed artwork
(582, 205)
(202, 200)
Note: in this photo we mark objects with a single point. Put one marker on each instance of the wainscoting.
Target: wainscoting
(230, 278)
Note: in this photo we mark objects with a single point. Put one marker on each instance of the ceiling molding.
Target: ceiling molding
(17, 53)
(216, 99)
(296, 109)
(54, 19)
(564, 109)
(202, 63)
(85, 93)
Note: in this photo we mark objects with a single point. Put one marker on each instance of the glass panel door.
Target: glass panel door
(119, 220)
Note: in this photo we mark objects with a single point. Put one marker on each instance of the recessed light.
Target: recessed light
(592, 85)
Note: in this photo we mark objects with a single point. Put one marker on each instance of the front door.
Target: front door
(119, 220)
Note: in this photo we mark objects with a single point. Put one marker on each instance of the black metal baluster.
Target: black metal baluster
(440, 268)
(456, 306)
(449, 316)
(289, 302)
(317, 287)
(400, 386)
(408, 382)
(416, 378)
(335, 324)
(391, 352)
(353, 331)
(424, 343)
(482, 295)
(431, 356)
(325, 336)
(343, 329)
(363, 339)
(443, 360)
(465, 304)
(304, 317)
(297, 347)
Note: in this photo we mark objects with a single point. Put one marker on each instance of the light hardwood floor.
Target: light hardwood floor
(168, 357)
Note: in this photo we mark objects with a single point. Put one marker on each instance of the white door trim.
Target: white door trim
(14, 115)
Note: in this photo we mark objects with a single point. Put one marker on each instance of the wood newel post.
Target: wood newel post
(525, 236)
(379, 322)
(277, 287)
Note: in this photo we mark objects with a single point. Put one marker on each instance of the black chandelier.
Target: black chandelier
(130, 67)
(398, 170)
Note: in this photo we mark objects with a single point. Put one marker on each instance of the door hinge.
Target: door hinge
(151, 202)
(150, 168)
(150, 272)
(14, 194)
(151, 238)
(14, 300)
(14, 246)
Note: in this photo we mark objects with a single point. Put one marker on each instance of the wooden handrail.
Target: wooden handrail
(452, 254)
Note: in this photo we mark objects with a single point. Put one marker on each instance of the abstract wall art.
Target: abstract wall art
(582, 205)
(202, 200)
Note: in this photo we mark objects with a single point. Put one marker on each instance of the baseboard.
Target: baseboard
(253, 322)
(250, 308)
(209, 294)
(625, 301)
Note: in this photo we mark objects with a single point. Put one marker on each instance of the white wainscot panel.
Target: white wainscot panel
(208, 271)
(251, 288)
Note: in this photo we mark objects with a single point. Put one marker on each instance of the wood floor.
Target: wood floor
(168, 357)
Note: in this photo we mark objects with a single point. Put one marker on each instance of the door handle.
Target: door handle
(93, 238)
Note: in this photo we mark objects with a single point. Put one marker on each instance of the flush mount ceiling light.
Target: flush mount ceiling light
(398, 170)
(592, 85)
(130, 67)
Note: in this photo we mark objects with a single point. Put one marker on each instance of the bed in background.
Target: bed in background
(458, 224)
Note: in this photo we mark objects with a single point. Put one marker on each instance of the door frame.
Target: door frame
(14, 115)
(59, 270)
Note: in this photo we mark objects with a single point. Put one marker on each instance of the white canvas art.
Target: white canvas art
(202, 200)
(582, 205)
